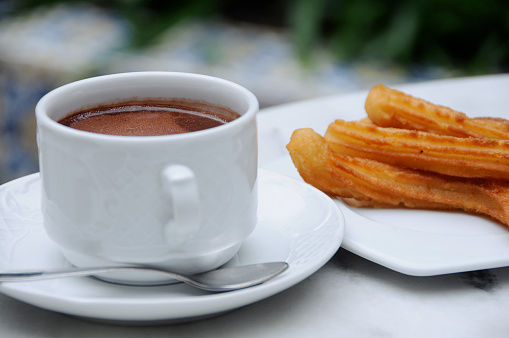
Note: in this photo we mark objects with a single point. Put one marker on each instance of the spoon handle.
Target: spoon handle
(226, 279)
(19, 276)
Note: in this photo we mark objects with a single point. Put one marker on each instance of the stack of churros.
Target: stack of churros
(410, 153)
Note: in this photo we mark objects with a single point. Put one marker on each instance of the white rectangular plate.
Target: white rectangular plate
(413, 242)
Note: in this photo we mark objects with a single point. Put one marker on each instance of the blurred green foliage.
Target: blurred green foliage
(470, 35)
(466, 34)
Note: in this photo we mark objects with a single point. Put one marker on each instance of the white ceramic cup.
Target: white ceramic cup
(182, 202)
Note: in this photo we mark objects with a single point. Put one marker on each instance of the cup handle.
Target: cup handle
(179, 182)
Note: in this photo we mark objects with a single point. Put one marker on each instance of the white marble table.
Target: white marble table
(350, 296)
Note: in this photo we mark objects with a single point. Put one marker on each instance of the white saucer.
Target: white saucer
(297, 224)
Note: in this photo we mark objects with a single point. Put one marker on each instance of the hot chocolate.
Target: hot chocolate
(149, 118)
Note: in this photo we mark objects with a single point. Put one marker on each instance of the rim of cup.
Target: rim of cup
(44, 104)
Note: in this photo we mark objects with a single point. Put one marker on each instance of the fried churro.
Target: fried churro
(448, 155)
(391, 108)
(373, 182)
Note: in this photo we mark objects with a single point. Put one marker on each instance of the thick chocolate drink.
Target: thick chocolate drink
(149, 118)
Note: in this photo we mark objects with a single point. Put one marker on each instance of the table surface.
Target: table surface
(349, 296)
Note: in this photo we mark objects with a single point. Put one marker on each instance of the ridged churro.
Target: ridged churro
(448, 155)
(373, 182)
(391, 108)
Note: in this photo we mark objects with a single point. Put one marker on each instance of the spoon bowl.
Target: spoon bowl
(220, 280)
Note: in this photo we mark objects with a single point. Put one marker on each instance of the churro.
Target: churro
(391, 108)
(371, 181)
(448, 155)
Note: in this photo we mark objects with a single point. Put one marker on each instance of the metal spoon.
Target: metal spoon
(226, 279)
